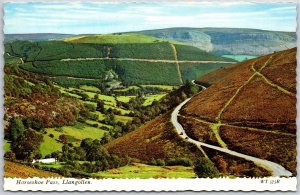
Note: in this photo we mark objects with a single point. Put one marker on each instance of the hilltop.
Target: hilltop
(224, 41)
(249, 107)
(118, 38)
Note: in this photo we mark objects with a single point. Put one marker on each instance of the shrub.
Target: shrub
(10, 156)
(206, 168)
(160, 162)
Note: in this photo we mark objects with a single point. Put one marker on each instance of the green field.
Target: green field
(75, 134)
(6, 146)
(123, 111)
(123, 119)
(49, 144)
(143, 171)
(127, 88)
(151, 98)
(125, 98)
(163, 87)
(240, 58)
(89, 88)
(56, 165)
(99, 114)
(92, 122)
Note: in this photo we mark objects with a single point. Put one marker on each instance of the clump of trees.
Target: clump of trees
(25, 142)
(171, 162)
(95, 155)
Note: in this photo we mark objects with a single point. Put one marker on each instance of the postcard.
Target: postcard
(150, 96)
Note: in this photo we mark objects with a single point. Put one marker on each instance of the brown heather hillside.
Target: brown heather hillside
(15, 170)
(250, 107)
(157, 139)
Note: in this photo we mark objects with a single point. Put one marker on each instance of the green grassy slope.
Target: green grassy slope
(117, 38)
(99, 56)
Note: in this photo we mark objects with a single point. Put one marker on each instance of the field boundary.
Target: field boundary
(177, 64)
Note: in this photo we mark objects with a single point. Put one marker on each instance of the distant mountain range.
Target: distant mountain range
(223, 41)
(36, 37)
(219, 41)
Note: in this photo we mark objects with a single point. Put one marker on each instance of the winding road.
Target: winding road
(274, 168)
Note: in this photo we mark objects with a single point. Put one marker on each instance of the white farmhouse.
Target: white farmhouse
(45, 160)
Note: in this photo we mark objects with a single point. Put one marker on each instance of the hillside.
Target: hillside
(115, 58)
(15, 170)
(250, 107)
(224, 41)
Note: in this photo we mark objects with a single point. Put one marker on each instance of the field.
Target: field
(6, 145)
(143, 171)
(74, 133)
(163, 87)
(151, 98)
(15, 170)
(137, 170)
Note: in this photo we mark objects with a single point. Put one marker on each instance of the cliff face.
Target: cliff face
(228, 40)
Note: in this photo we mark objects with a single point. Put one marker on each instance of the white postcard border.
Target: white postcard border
(199, 184)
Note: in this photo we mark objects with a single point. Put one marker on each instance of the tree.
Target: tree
(16, 129)
(85, 96)
(86, 143)
(115, 161)
(27, 146)
(63, 138)
(205, 168)
(190, 88)
(105, 139)
(10, 156)
(37, 124)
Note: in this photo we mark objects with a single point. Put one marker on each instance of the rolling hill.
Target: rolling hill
(224, 41)
(130, 58)
(249, 107)
(117, 38)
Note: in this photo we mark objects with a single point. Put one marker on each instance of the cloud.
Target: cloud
(284, 9)
(114, 17)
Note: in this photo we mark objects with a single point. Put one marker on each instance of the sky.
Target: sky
(100, 18)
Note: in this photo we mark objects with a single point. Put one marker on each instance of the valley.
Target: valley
(129, 105)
